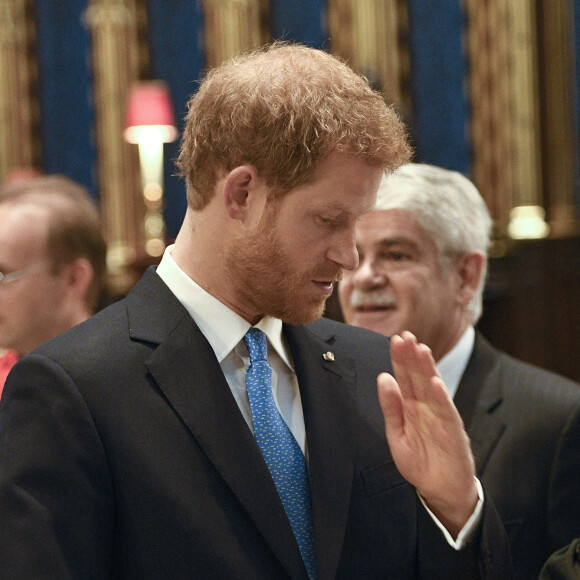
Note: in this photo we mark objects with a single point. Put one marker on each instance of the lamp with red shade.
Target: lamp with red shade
(150, 123)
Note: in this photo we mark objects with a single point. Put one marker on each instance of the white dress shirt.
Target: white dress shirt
(453, 364)
(225, 330)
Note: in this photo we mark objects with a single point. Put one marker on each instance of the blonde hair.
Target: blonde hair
(282, 109)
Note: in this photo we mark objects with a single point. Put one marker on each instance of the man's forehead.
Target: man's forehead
(390, 227)
(24, 209)
(387, 219)
(23, 221)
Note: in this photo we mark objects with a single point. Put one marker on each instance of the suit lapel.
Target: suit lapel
(185, 368)
(478, 398)
(328, 418)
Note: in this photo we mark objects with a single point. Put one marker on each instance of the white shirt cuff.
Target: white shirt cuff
(470, 526)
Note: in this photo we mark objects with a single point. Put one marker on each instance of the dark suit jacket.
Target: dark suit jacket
(563, 564)
(524, 424)
(123, 454)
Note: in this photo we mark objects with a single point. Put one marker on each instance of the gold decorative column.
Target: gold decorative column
(560, 150)
(18, 73)
(367, 34)
(115, 57)
(233, 26)
(503, 83)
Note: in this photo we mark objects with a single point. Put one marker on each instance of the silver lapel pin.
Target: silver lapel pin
(328, 356)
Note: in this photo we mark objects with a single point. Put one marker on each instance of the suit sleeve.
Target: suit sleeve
(564, 492)
(55, 493)
(486, 557)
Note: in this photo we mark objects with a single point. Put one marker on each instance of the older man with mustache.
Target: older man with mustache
(423, 259)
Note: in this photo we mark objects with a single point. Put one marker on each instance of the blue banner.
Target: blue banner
(65, 86)
(299, 21)
(438, 69)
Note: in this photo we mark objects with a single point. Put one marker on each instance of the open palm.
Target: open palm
(426, 434)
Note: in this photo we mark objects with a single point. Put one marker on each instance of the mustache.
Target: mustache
(372, 299)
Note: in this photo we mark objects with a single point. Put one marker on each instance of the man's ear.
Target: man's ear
(239, 189)
(469, 268)
(77, 277)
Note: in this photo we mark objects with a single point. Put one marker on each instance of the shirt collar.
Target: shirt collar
(452, 365)
(222, 327)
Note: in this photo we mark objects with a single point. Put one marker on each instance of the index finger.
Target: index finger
(413, 364)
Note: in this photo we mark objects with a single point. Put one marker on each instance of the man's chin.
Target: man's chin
(304, 315)
(374, 320)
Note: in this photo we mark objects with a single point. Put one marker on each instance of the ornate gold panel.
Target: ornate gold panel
(19, 147)
(233, 26)
(368, 35)
(503, 83)
(114, 27)
(560, 149)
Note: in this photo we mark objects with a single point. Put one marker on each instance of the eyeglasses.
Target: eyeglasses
(6, 279)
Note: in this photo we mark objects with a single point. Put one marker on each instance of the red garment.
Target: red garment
(7, 361)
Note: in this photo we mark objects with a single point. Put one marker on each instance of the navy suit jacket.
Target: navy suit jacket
(524, 425)
(123, 454)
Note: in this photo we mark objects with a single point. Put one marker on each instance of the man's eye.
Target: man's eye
(394, 256)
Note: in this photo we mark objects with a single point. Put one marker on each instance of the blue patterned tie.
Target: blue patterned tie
(281, 452)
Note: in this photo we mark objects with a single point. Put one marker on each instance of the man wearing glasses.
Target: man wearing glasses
(52, 260)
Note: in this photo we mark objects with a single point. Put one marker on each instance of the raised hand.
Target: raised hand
(426, 434)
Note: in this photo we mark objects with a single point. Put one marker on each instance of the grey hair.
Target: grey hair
(447, 206)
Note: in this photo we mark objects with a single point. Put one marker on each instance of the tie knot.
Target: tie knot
(257, 345)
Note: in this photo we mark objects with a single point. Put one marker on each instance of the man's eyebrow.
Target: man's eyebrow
(334, 207)
(397, 241)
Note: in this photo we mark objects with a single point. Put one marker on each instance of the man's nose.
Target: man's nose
(367, 275)
(344, 252)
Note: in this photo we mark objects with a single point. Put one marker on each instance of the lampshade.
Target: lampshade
(527, 222)
(149, 104)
